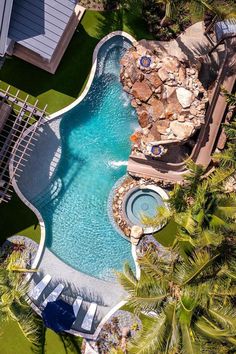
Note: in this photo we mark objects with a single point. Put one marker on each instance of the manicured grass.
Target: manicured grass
(17, 219)
(13, 342)
(166, 235)
(57, 91)
(67, 83)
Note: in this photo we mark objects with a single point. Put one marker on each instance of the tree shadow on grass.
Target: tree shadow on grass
(123, 20)
(70, 343)
(15, 216)
(109, 22)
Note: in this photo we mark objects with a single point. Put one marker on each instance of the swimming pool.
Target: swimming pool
(95, 148)
(142, 202)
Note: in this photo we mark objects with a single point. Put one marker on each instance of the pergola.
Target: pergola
(16, 116)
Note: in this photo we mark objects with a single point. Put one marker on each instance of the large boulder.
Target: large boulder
(182, 130)
(185, 97)
(141, 90)
(143, 117)
(156, 108)
(169, 99)
(136, 231)
(171, 64)
(154, 79)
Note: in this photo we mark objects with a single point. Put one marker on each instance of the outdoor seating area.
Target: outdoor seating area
(37, 292)
(117, 177)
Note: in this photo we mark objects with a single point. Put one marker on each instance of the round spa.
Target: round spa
(143, 201)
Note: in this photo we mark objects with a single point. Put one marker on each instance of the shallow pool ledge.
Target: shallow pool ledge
(35, 210)
(50, 117)
(92, 72)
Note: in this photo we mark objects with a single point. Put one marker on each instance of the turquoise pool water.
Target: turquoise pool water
(95, 148)
(142, 202)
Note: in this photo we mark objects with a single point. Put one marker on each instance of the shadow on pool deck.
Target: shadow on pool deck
(105, 294)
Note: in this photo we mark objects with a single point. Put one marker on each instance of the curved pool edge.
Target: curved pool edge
(57, 114)
(41, 247)
(92, 72)
(38, 215)
(163, 194)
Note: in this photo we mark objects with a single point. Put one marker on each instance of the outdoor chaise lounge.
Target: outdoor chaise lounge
(53, 295)
(39, 288)
(88, 318)
(76, 305)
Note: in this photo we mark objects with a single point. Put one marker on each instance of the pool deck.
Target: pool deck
(105, 294)
(46, 154)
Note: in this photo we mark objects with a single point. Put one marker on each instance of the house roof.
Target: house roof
(5, 14)
(39, 24)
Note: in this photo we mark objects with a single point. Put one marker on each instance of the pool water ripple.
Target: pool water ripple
(95, 149)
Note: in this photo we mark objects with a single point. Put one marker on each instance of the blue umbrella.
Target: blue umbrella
(58, 315)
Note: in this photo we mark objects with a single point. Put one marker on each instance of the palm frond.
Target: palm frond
(189, 346)
(172, 342)
(153, 265)
(127, 279)
(230, 130)
(199, 261)
(177, 199)
(230, 97)
(225, 316)
(148, 296)
(28, 323)
(226, 158)
(196, 172)
(151, 338)
(186, 221)
(162, 216)
(218, 177)
(210, 330)
(209, 238)
(183, 244)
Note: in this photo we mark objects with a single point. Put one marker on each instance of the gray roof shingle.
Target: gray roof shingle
(39, 24)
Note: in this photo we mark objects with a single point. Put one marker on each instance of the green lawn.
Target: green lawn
(166, 235)
(17, 219)
(64, 87)
(13, 342)
(57, 91)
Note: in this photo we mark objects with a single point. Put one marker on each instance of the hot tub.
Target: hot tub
(143, 201)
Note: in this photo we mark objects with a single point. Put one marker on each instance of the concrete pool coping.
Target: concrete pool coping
(41, 249)
(160, 191)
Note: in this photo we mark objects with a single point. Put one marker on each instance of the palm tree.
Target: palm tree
(187, 302)
(203, 212)
(13, 305)
(198, 7)
(16, 263)
(227, 157)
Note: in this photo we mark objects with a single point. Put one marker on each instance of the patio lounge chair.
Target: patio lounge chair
(88, 318)
(53, 295)
(39, 288)
(76, 305)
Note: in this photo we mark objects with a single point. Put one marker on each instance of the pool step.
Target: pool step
(49, 194)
